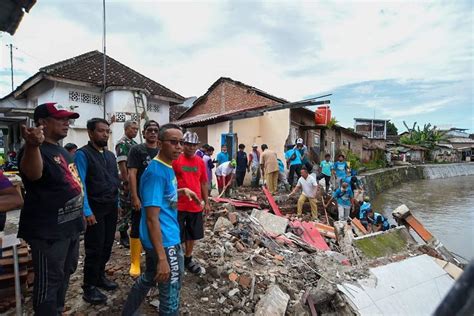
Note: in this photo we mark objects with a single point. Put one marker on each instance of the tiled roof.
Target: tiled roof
(88, 68)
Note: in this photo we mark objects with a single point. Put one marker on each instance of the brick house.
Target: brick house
(231, 112)
(77, 83)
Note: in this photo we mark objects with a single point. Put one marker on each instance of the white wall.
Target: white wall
(116, 101)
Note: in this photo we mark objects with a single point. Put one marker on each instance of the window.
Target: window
(74, 96)
(96, 99)
(83, 97)
(152, 107)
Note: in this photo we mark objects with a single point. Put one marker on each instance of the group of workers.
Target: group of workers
(158, 190)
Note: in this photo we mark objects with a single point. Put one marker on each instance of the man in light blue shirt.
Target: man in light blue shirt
(223, 156)
(345, 201)
(341, 168)
(159, 227)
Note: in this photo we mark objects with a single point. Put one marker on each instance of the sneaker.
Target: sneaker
(195, 268)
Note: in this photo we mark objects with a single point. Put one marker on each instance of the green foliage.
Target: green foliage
(353, 159)
(332, 122)
(391, 129)
(373, 164)
(427, 137)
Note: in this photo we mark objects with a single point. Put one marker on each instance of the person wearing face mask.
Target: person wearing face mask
(99, 175)
(345, 201)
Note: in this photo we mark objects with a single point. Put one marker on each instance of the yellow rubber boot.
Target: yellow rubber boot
(135, 252)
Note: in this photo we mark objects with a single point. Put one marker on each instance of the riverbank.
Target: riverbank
(375, 182)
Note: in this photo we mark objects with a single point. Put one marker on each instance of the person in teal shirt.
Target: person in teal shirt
(326, 170)
(223, 156)
(293, 159)
(340, 167)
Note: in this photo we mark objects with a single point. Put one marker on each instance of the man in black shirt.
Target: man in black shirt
(138, 159)
(242, 165)
(51, 219)
(98, 171)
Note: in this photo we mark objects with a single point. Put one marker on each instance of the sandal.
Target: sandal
(195, 268)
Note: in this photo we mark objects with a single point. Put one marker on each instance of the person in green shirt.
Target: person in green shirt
(326, 171)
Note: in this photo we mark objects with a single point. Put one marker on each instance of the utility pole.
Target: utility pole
(105, 59)
(11, 65)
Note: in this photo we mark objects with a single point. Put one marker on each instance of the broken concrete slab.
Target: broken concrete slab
(271, 223)
(222, 223)
(274, 302)
(383, 244)
(414, 286)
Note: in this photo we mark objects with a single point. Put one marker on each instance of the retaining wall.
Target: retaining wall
(378, 181)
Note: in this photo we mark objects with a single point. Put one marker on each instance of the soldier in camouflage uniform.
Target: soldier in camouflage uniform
(122, 149)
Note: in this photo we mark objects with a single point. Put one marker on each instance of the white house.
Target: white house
(77, 83)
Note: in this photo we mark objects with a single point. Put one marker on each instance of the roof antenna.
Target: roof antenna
(104, 60)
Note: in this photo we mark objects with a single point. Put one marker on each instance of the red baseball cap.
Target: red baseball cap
(54, 110)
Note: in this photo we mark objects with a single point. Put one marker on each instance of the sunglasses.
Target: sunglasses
(152, 130)
(174, 142)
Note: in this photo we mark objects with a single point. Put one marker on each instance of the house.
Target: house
(12, 12)
(77, 83)
(232, 112)
(371, 128)
(461, 141)
(408, 153)
(444, 153)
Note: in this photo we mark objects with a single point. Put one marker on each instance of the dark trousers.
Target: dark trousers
(327, 180)
(98, 241)
(291, 175)
(239, 177)
(135, 219)
(53, 263)
(169, 291)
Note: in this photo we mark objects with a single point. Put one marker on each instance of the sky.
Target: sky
(406, 61)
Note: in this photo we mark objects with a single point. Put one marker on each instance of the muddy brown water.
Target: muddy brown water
(444, 206)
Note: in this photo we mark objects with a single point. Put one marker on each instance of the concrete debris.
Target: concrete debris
(222, 223)
(273, 303)
(257, 263)
(271, 223)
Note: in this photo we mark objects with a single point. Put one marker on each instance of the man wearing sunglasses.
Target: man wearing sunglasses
(159, 227)
(191, 173)
(139, 158)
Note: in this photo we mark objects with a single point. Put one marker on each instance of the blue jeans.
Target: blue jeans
(169, 292)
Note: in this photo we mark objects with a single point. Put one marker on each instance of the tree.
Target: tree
(391, 129)
(427, 137)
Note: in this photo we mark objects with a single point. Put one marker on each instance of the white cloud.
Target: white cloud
(290, 49)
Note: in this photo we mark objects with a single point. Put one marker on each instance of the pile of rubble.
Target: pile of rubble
(264, 261)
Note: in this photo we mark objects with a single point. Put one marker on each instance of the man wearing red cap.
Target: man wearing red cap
(51, 219)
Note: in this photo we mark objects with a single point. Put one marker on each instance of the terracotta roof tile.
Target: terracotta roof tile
(88, 68)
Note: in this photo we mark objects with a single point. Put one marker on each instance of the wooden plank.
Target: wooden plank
(359, 226)
(272, 202)
(418, 228)
(9, 261)
(23, 251)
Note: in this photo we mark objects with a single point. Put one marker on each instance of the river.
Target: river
(444, 206)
